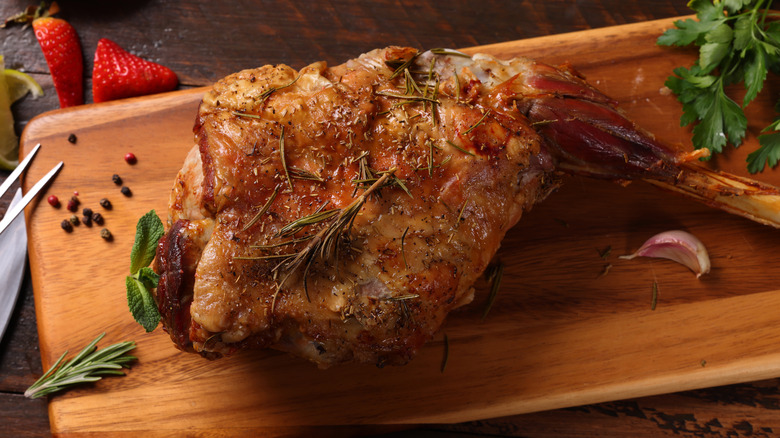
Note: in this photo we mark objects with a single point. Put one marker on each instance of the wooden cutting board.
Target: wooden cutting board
(559, 334)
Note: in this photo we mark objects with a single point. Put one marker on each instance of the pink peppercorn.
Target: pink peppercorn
(130, 158)
(53, 201)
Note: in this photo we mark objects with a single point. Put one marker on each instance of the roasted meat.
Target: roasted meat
(341, 213)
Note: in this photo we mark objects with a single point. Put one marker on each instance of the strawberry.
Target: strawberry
(118, 74)
(62, 50)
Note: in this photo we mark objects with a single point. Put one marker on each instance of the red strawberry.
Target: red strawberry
(118, 74)
(62, 50)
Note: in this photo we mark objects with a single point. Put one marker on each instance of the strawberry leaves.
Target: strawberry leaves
(736, 45)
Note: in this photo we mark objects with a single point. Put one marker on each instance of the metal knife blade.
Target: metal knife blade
(15, 210)
(13, 257)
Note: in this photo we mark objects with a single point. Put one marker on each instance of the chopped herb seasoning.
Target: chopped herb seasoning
(604, 253)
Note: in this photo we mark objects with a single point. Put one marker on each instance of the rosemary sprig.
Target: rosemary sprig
(460, 148)
(251, 116)
(263, 209)
(304, 174)
(284, 162)
(496, 274)
(451, 52)
(323, 243)
(299, 224)
(88, 366)
(280, 244)
(479, 122)
(404, 66)
(409, 98)
(267, 93)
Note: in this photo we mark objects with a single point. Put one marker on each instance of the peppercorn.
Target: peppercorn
(73, 205)
(72, 138)
(74, 220)
(105, 234)
(126, 191)
(97, 218)
(117, 179)
(87, 220)
(86, 211)
(66, 225)
(105, 203)
(53, 201)
(130, 158)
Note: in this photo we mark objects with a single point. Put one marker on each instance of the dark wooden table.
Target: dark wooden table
(203, 40)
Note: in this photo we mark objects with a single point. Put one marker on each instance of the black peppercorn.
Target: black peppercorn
(72, 138)
(74, 220)
(126, 191)
(97, 218)
(87, 220)
(105, 234)
(117, 179)
(86, 211)
(105, 203)
(65, 224)
(73, 205)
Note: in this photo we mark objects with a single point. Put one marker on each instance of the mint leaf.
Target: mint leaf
(148, 277)
(148, 232)
(141, 303)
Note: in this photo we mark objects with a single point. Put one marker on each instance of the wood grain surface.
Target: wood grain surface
(560, 334)
(192, 36)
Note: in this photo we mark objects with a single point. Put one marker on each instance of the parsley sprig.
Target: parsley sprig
(737, 44)
(142, 278)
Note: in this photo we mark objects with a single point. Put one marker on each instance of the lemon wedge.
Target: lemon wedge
(19, 84)
(13, 86)
(9, 143)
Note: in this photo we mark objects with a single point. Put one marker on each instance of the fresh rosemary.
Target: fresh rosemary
(263, 209)
(460, 148)
(323, 244)
(267, 93)
(654, 299)
(450, 52)
(284, 162)
(495, 274)
(87, 366)
(479, 122)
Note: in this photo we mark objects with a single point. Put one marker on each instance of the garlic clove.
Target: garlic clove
(677, 245)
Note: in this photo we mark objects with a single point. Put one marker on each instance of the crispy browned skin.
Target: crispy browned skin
(455, 149)
(408, 258)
